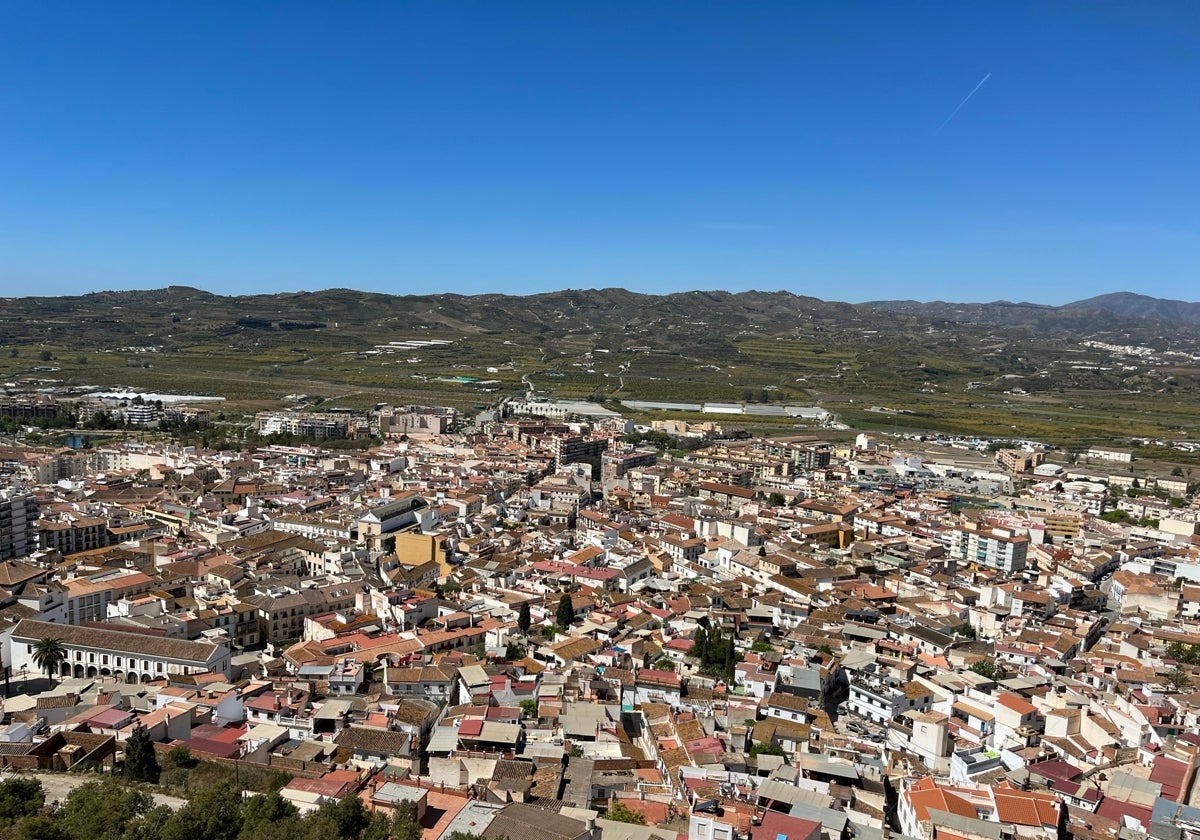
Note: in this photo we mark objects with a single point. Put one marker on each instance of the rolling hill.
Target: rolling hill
(1107, 367)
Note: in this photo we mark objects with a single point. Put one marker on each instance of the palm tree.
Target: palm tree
(49, 654)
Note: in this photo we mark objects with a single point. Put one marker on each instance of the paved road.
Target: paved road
(59, 785)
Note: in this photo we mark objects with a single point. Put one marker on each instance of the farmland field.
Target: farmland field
(1054, 377)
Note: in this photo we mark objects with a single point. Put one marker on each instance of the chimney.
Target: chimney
(276, 701)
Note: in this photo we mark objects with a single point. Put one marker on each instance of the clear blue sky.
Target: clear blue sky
(520, 147)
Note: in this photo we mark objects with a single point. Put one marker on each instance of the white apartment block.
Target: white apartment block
(996, 548)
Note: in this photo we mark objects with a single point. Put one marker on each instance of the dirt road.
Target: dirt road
(59, 785)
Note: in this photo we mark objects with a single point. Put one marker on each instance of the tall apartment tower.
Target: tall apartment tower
(18, 511)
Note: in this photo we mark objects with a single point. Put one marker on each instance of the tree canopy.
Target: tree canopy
(1187, 654)
(112, 810)
(566, 612)
(620, 812)
(103, 810)
(715, 651)
(141, 764)
(988, 668)
(20, 798)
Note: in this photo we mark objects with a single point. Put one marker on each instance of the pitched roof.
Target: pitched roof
(1026, 807)
(529, 822)
(776, 824)
(14, 572)
(1172, 775)
(369, 739)
(923, 800)
(1012, 701)
(136, 643)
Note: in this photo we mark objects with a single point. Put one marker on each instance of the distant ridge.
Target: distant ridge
(1003, 312)
(182, 309)
(1131, 305)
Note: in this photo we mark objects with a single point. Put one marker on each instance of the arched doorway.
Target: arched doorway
(78, 672)
(131, 677)
(91, 671)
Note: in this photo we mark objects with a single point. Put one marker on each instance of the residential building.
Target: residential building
(18, 511)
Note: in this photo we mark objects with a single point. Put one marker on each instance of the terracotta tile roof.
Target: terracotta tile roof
(1026, 807)
(529, 822)
(136, 643)
(575, 648)
(380, 741)
(788, 702)
(1012, 701)
(15, 572)
(939, 800)
(57, 701)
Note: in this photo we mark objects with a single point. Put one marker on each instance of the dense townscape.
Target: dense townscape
(532, 623)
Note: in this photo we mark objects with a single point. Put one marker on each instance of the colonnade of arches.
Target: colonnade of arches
(79, 671)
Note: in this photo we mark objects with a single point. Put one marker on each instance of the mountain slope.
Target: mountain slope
(1130, 305)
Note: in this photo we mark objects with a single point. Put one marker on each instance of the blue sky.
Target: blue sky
(521, 147)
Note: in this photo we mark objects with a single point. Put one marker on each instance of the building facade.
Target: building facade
(17, 514)
(134, 657)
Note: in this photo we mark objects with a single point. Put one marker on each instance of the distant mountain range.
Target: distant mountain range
(1121, 304)
(348, 303)
(183, 314)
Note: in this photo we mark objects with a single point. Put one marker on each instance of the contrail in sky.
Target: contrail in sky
(966, 99)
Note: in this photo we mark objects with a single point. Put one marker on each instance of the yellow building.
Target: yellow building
(414, 549)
